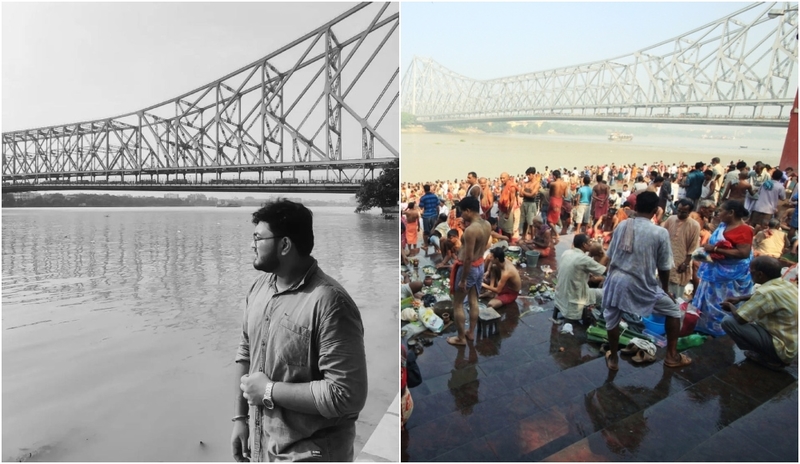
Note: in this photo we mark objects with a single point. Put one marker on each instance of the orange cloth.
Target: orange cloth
(554, 213)
(411, 233)
(508, 197)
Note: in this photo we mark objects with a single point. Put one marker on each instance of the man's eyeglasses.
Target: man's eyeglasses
(256, 239)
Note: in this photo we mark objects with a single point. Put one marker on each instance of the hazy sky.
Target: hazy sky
(490, 40)
(71, 62)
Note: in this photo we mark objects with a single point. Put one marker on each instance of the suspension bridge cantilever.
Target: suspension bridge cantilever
(740, 69)
(317, 103)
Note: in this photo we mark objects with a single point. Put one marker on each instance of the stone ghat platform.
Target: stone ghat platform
(523, 391)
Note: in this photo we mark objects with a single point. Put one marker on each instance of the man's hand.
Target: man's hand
(733, 301)
(239, 441)
(253, 386)
(727, 306)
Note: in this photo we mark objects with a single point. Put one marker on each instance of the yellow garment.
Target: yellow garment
(773, 306)
(772, 245)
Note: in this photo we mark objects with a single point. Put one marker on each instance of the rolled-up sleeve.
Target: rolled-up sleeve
(342, 359)
(243, 351)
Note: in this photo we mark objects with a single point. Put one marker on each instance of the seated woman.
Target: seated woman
(543, 237)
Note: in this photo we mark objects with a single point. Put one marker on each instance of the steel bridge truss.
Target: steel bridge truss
(291, 110)
(741, 69)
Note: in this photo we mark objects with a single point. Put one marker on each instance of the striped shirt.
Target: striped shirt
(773, 306)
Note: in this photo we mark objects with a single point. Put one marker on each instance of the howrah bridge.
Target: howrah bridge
(310, 116)
(738, 70)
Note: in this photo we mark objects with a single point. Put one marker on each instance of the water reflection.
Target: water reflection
(146, 283)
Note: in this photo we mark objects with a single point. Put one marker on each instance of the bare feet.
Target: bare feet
(470, 336)
(456, 341)
(612, 362)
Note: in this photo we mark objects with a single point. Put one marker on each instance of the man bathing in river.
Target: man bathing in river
(467, 274)
(301, 368)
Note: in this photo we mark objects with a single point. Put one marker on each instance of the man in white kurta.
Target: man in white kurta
(572, 290)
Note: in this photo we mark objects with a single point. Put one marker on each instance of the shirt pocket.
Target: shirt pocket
(293, 343)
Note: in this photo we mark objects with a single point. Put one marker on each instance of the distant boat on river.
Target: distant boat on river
(228, 204)
(620, 137)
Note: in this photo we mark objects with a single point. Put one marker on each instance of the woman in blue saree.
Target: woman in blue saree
(730, 247)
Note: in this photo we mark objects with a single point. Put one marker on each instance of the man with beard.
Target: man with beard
(301, 370)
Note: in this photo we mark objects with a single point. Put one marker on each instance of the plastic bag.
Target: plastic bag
(701, 255)
(430, 320)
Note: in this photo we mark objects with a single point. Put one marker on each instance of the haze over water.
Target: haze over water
(432, 156)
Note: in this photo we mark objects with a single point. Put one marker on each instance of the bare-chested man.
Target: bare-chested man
(412, 214)
(467, 274)
(473, 188)
(487, 197)
(557, 190)
(507, 287)
(739, 190)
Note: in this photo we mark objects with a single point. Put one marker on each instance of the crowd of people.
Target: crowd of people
(644, 236)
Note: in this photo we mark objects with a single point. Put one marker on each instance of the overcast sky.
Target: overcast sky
(71, 62)
(490, 40)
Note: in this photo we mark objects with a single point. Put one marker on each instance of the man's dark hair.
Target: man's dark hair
(684, 202)
(658, 179)
(580, 240)
(286, 218)
(653, 173)
(498, 253)
(777, 174)
(587, 180)
(472, 174)
(699, 165)
(452, 233)
(443, 217)
(470, 203)
(426, 188)
(741, 165)
(556, 173)
(715, 160)
(770, 266)
(646, 202)
(599, 178)
(530, 170)
(411, 204)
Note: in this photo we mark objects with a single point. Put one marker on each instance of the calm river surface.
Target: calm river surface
(431, 156)
(120, 326)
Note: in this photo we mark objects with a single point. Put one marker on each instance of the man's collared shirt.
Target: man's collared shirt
(430, 205)
(310, 333)
(773, 306)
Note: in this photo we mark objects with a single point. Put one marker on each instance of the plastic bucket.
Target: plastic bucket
(654, 327)
(531, 258)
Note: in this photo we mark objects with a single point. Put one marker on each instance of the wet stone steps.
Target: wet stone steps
(530, 393)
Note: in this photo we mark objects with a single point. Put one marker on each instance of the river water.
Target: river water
(120, 325)
(432, 156)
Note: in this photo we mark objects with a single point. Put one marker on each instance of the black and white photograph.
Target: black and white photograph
(200, 231)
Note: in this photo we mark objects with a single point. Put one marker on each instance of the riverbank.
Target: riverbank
(524, 391)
